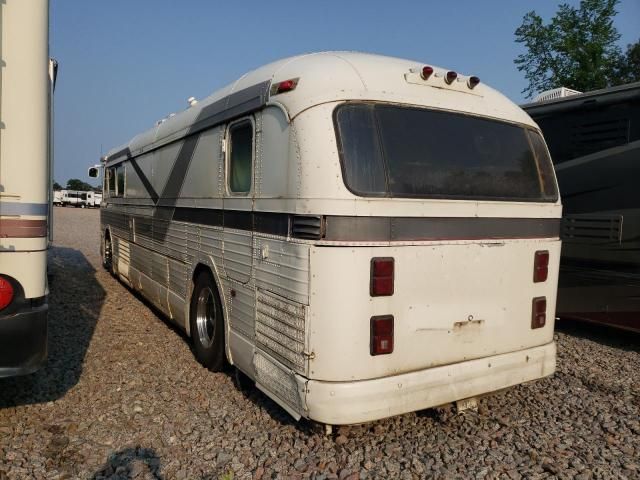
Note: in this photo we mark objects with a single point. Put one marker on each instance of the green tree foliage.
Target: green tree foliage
(630, 66)
(77, 184)
(57, 186)
(577, 49)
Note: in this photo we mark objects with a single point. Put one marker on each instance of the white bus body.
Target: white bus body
(360, 236)
(57, 197)
(26, 79)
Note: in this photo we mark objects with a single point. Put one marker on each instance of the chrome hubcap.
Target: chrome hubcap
(206, 317)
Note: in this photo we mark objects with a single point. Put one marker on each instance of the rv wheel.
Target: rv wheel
(207, 325)
(107, 254)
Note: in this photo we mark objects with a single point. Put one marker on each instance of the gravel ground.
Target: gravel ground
(123, 397)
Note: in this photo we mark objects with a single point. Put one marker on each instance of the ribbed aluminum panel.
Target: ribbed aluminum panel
(242, 313)
(123, 251)
(238, 254)
(280, 329)
(178, 278)
(278, 380)
(160, 269)
(283, 268)
(211, 242)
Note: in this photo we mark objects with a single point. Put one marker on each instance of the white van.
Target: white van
(362, 236)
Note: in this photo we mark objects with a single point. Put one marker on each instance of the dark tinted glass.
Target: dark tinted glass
(112, 180)
(359, 142)
(120, 180)
(429, 153)
(544, 164)
(241, 145)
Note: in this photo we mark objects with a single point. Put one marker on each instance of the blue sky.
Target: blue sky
(125, 64)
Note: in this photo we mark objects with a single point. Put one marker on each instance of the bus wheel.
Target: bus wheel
(207, 325)
(107, 254)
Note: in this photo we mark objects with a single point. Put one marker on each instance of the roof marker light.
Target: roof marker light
(427, 71)
(450, 77)
(472, 82)
(284, 86)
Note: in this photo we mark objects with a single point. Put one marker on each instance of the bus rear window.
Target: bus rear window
(393, 151)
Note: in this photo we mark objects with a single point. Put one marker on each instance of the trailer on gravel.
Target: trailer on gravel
(27, 76)
(362, 236)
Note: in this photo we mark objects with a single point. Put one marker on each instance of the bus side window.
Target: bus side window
(111, 173)
(240, 155)
(120, 183)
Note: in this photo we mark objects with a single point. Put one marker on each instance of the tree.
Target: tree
(630, 66)
(77, 184)
(578, 48)
(57, 186)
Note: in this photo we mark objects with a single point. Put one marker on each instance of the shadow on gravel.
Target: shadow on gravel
(130, 463)
(75, 301)
(603, 334)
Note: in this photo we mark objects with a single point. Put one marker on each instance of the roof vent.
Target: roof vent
(556, 93)
(192, 101)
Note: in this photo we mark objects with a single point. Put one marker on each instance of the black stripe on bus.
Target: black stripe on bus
(358, 229)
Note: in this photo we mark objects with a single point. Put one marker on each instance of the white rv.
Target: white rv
(362, 236)
(26, 78)
(90, 199)
(71, 198)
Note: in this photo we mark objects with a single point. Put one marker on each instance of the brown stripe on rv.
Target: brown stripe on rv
(17, 228)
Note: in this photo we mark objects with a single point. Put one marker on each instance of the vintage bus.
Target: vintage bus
(26, 78)
(361, 236)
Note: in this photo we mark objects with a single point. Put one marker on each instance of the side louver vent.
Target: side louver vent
(310, 227)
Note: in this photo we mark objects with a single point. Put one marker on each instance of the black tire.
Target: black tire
(207, 324)
(107, 254)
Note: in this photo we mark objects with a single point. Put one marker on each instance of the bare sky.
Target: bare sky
(125, 64)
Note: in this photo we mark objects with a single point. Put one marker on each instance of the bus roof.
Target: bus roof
(321, 78)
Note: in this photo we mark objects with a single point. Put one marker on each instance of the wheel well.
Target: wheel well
(200, 268)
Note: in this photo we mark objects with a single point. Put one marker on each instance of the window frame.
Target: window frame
(527, 130)
(227, 157)
(111, 173)
(120, 194)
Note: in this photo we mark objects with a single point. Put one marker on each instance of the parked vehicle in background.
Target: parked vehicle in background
(57, 198)
(367, 246)
(91, 199)
(79, 198)
(71, 198)
(27, 73)
(594, 139)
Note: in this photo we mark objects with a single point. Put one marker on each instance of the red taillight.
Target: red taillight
(539, 312)
(381, 335)
(427, 71)
(6, 293)
(381, 277)
(472, 82)
(450, 77)
(541, 266)
(284, 86)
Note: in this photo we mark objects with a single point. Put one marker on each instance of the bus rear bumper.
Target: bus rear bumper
(23, 340)
(343, 403)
